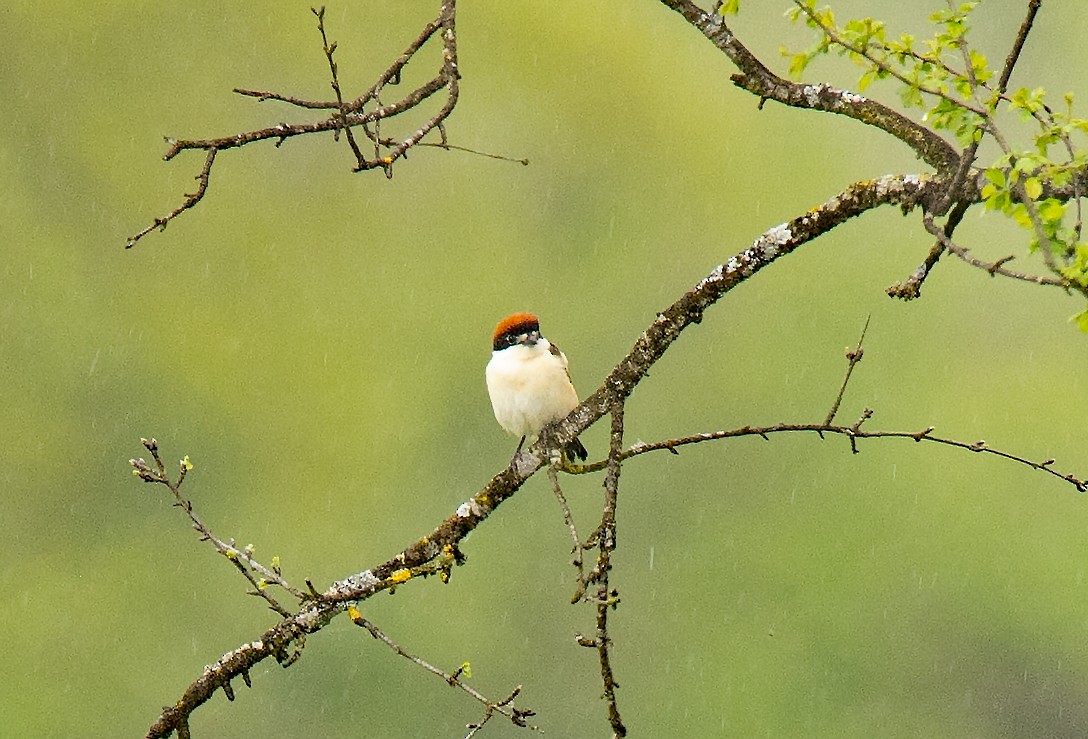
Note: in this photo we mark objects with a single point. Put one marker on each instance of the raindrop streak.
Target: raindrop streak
(94, 362)
(651, 557)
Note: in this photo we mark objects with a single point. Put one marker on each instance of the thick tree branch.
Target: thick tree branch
(282, 640)
(757, 79)
(436, 552)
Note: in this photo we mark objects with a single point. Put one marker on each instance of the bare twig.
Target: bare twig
(578, 549)
(242, 559)
(1018, 45)
(345, 114)
(190, 200)
(608, 598)
(330, 49)
(911, 288)
(853, 356)
(517, 716)
(852, 432)
(993, 268)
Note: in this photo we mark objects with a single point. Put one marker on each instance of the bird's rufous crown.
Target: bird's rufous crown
(515, 324)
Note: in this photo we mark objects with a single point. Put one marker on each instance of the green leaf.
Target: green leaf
(1051, 210)
(1081, 319)
(1033, 187)
(729, 7)
(995, 175)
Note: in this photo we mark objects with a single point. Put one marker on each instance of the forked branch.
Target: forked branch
(366, 112)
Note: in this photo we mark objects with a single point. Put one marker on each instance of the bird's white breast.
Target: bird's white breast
(529, 387)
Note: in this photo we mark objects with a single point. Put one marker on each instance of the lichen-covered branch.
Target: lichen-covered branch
(283, 640)
(756, 78)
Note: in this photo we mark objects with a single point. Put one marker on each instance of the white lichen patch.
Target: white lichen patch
(359, 582)
(469, 508)
(767, 244)
(714, 276)
(852, 97)
(812, 93)
(780, 234)
(732, 265)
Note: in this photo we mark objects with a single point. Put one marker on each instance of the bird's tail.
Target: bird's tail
(576, 450)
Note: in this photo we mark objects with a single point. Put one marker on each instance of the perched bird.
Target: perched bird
(528, 381)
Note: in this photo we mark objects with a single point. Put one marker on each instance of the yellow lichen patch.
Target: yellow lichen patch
(401, 575)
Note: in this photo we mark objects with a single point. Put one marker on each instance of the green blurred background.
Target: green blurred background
(315, 341)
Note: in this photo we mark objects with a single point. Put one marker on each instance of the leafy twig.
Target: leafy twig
(242, 559)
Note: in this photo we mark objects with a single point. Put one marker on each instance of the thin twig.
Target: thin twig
(993, 268)
(1081, 484)
(578, 550)
(190, 200)
(330, 49)
(1018, 45)
(911, 288)
(242, 559)
(516, 715)
(608, 598)
(853, 356)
